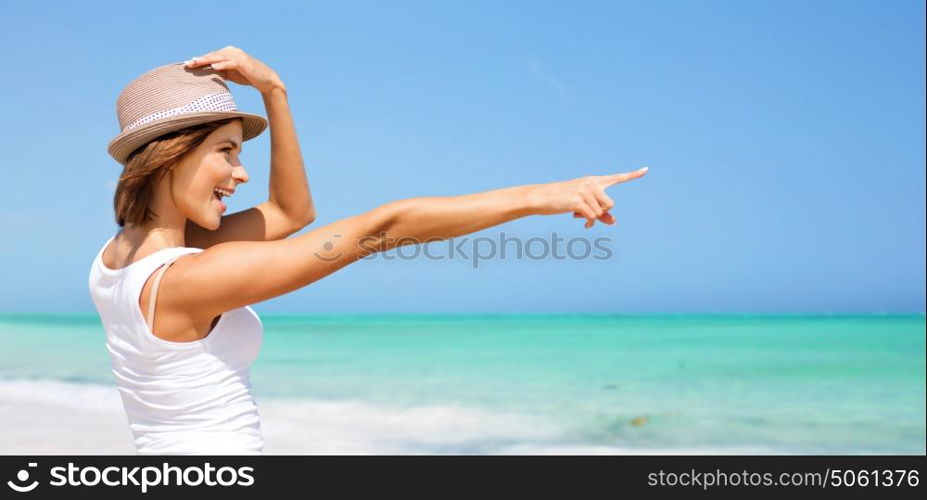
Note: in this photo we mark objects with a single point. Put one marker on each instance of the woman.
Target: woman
(182, 367)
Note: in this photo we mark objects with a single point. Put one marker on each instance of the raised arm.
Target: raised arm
(289, 206)
(234, 274)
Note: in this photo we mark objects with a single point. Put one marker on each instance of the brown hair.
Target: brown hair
(148, 164)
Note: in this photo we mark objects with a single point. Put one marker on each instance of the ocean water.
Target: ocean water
(536, 384)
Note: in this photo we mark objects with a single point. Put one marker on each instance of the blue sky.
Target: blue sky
(785, 140)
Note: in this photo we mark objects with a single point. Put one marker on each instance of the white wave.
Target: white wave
(353, 427)
(40, 417)
(90, 397)
(55, 417)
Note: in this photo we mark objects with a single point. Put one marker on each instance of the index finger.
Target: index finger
(207, 58)
(610, 180)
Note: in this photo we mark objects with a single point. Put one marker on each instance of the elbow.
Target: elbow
(308, 218)
(306, 215)
(384, 224)
(298, 223)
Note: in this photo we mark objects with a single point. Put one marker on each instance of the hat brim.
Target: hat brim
(125, 143)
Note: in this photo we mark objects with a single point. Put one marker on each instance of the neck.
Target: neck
(154, 235)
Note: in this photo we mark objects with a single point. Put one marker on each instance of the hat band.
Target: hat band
(220, 101)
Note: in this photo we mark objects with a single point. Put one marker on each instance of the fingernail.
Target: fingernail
(645, 169)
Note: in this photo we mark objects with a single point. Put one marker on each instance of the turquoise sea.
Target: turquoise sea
(549, 384)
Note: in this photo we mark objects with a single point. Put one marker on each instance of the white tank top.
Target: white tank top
(181, 398)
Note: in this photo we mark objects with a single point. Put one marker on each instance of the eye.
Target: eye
(227, 148)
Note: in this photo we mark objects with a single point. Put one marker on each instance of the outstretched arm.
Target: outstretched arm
(235, 274)
(415, 220)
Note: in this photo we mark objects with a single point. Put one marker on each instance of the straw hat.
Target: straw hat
(173, 97)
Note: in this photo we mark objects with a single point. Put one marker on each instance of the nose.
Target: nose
(240, 174)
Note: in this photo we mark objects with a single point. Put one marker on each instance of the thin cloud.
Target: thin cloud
(539, 72)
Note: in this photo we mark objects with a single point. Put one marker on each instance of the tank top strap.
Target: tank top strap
(153, 299)
(157, 263)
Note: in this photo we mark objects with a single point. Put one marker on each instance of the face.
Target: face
(212, 167)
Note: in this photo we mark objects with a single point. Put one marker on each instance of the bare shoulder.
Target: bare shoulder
(234, 274)
(196, 288)
(174, 319)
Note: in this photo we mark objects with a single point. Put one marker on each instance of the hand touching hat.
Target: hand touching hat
(234, 65)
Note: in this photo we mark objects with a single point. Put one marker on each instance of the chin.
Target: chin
(208, 223)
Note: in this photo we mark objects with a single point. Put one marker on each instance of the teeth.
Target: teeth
(222, 192)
